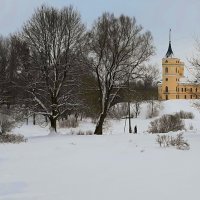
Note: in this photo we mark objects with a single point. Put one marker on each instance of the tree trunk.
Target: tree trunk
(99, 126)
(46, 119)
(53, 128)
(34, 122)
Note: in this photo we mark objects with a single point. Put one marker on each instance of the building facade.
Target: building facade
(174, 85)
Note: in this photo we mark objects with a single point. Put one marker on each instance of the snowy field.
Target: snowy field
(115, 166)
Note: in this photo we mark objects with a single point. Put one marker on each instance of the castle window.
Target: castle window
(190, 96)
(166, 79)
(166, 70)
(166, 61)
(196, 89)
(166, 97)
(166, 89)
(185, 97)
(182, 89)
(190, 89)
(185, 89)
(178, 89)
(176, 70)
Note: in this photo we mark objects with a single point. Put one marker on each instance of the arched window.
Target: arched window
(166, 97)
(166, 70)
(166, 89)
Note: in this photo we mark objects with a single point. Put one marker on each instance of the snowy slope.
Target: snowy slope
(114, 166)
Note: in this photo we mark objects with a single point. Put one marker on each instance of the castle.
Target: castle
(174, 85)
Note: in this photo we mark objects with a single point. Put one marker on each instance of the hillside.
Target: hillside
(114, 166)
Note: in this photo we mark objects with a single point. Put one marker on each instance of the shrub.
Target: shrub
(191, 127)
(9, 118)
(163, 140)
(12, 138)
(89, 132)
(153, 109)
(94, 120)
(84, 133)
(118, 111)
(80, 133)
(178, 141)
(71, 122)
(185, 115)
(165, 124)
(6, 126)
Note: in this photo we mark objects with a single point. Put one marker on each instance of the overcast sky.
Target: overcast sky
(157, 16)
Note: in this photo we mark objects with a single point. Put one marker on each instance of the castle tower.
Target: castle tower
(172, 71)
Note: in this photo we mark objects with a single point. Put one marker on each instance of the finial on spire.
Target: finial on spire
(169, 51)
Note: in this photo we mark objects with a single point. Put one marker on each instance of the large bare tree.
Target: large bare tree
(195, 62)
(54, 39)
(4, 69)
(118, 49)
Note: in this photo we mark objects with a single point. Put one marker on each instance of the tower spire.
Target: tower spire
(169, 53)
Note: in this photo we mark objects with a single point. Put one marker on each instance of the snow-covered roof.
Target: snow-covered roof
(186, 80)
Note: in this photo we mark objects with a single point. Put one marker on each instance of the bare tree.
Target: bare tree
(195, 62)
(4, 63)
(118, 48)
(151, 76)
(137, 106)
(54, 38)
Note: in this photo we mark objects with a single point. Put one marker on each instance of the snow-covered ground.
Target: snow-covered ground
(114, 166)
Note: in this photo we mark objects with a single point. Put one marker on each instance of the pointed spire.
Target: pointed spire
(169, 53)
(170, 35)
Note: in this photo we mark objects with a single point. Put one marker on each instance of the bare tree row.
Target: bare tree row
(44, 65)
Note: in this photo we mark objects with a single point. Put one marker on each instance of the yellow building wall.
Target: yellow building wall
(172, 71)
(188, 91)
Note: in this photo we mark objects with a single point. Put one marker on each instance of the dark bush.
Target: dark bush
(85, 133)
(12, 138)
(185, 115)
(71, 122)
(6, 126)
(165, 124)
(179, 142)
